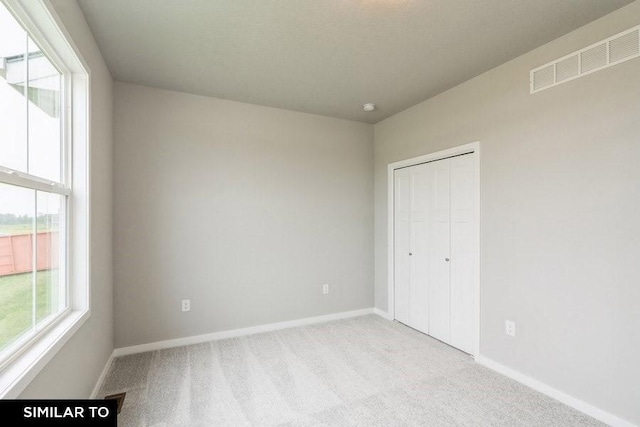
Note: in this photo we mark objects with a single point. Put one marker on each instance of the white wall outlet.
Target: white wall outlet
(186, 305)
(325, 289)
(510, 328)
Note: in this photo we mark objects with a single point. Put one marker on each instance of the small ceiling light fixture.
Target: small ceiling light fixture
(369, 107)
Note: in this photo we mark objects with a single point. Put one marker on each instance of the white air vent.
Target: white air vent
(593, 58)
(625, 46)
(612, 51)
(543, 77)
(568, 68)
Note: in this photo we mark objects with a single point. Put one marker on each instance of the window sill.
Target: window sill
(15, 377)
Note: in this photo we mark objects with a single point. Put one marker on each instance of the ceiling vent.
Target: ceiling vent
(609, 52)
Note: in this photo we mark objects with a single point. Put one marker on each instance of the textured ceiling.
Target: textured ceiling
(324, 56)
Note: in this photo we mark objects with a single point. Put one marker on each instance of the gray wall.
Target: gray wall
(73, 372)
(245, 210)
(560, 197)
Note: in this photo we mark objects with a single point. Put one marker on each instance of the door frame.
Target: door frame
(473, 147)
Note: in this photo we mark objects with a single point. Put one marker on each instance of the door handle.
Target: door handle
(446, 259)
(410, 253)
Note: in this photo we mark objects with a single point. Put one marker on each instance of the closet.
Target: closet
(436, 249)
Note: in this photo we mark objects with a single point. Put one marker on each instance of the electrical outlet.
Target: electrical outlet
(510, 328)
(186, 305)
(325, 289)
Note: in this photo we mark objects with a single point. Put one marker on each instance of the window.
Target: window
(33, 189)
(44, 196)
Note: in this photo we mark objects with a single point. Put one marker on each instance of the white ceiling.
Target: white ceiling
(324, 56)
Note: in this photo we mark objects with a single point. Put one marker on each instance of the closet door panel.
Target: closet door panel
(438, 240)
(464, 247)
(402, 226)
(419, 249)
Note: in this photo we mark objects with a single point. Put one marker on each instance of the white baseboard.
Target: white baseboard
(382, 313)
(543, 388)
(238, 332)
(102, 376)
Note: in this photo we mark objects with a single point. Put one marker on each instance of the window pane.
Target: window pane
(30, 104)
(17, 207)
(49, 252)
(44, 115)
(13, 100)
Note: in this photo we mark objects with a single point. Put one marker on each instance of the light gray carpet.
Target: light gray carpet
(365, 371)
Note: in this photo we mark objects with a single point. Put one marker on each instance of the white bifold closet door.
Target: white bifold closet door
(436, 249)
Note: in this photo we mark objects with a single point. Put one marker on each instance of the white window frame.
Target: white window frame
(45, 28)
